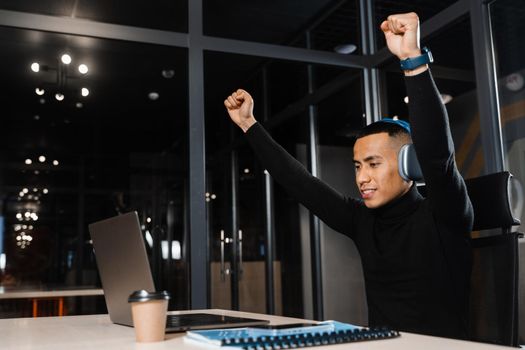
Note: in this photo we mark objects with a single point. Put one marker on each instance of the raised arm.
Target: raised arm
(330, 206)
(430, 128)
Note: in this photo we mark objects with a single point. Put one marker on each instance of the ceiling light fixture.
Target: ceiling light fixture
(345, 49)
(79, 105)
(55, 162)
(42, 159)
(63, 77)
(168, 73)
(83, 69)
(153, 95)
(66, 59)
(28, 161)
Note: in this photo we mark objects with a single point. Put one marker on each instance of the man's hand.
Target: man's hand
(402, 35)
(240, 108)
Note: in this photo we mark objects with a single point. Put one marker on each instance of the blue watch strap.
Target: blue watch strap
(414, 62)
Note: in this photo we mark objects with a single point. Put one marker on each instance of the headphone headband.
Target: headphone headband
(405, 125)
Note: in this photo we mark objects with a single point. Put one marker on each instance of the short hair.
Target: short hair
(392, 129)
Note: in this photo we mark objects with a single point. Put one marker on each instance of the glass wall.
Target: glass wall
(238, 186)
(507, 23)
(71, 156)
(99, 132)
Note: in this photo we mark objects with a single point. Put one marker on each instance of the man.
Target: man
(415, 251)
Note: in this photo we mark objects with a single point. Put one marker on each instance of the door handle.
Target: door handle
(224, 270)
(240, 255)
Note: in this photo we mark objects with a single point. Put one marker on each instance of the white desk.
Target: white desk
(97, 332)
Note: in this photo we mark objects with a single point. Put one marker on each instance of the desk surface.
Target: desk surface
(97, 332)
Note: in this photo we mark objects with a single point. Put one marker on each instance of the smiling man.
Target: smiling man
(376, 166)
(415, 251)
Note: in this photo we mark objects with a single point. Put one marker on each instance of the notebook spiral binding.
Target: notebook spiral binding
(308, 340)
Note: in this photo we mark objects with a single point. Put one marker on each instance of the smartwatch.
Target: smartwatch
(414, 62)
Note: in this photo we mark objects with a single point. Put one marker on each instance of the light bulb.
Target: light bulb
(85, 92)
(66, 59)
(153, 95)
(35, 67)
(83, 69)
(59, 96)
(39, 91)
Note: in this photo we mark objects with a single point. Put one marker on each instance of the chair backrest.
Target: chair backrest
(490, 197)
(490, 194)
(494, 295)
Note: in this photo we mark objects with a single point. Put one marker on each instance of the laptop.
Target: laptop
(124, 267)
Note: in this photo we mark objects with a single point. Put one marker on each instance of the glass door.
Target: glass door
(237, 208)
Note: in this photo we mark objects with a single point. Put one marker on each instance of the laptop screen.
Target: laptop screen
(122, 263)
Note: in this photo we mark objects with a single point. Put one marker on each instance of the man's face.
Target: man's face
(377, 177)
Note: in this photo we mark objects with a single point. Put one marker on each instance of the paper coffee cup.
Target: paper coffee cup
(148, 310)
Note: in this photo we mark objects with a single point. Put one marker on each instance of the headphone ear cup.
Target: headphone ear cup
(408, 165)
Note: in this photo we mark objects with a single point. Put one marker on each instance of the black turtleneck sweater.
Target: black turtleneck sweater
(415, 252)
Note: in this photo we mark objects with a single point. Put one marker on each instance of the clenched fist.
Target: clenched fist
(240, 108)
(402, 35)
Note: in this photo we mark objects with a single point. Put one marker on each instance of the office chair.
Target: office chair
(494, 297)
(494, 294)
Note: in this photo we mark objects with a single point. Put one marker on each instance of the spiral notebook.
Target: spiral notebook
(323, 333)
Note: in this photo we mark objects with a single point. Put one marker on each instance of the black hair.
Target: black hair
(393, 130)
